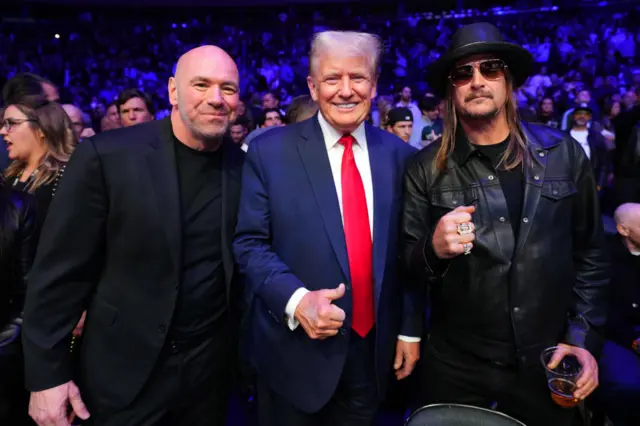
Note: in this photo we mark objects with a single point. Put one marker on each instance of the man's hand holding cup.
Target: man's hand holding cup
(455, 233)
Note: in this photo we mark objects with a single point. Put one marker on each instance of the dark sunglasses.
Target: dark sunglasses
(491, 69)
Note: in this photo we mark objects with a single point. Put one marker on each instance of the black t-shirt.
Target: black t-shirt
(202, 294)
(511, 181)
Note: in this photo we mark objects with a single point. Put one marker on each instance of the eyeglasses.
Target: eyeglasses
(491, 69)
(9, 123)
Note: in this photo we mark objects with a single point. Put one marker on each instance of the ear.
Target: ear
(41, 136)
(313, 88)
(173, 91)
(622, 230)
(374, 88)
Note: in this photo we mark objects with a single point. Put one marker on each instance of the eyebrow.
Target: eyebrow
(208, 80)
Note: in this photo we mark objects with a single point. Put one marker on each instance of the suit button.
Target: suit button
(502, 219)
(342, 331)
(162, 328)
(634, 305)
(491, 177)
(516, 309)
(525, 220)
(176, 285)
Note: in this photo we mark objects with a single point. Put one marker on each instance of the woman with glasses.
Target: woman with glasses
(40, 139)
(18, 238)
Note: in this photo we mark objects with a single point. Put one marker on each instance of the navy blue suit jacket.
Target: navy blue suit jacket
(290, 235)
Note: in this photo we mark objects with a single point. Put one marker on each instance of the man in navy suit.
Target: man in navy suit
(316, 241)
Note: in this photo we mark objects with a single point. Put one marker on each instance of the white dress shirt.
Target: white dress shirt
(361, 155)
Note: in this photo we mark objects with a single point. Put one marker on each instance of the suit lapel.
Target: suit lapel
(232, 158)
(315, 160)
(382, 163)
(161, 163)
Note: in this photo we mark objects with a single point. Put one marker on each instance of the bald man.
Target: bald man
(139, 236)
(77, 120)
(619, 391)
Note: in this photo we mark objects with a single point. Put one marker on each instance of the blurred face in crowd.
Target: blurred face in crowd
(133, 112)
(50, 92)
(112, 114)
(402, 129)
(242, 108)
(238, 133)
(24, 140)
(583, 96)
(629, 99)
(75, 115)
(269, 101)
(405, 95)
(343, 87)
(433, 115)
(480, 98)
(205, 91)
(581, 119)
(615, 109)
(111, 119)
(547, 106)
(271, 119)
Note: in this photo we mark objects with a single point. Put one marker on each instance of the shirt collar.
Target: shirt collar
(332, 136)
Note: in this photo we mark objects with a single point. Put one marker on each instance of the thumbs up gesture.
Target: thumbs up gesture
(318, 316)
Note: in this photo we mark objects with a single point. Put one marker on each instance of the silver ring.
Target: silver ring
(467, 248)
(464, 228)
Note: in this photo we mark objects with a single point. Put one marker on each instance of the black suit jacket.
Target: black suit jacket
(111, 244)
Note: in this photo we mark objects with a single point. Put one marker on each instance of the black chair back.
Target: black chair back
(459, 415)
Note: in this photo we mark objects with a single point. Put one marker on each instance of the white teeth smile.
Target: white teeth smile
(346, 106)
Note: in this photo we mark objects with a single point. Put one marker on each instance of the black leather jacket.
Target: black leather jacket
(546, 285)
(18, 241)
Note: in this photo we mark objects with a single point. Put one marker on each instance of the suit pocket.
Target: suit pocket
(557, 190)
(103, 312)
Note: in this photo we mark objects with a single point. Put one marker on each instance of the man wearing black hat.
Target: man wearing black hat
(592, 141)
(400, 122)
(502, 220)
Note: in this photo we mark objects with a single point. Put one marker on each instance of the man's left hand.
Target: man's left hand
(588, 380)
(407, 354)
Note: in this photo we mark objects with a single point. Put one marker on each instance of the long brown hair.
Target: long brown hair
(59, 139)
(516, 152)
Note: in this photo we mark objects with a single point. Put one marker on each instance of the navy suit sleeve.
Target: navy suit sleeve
(267, 277)
(414, 292)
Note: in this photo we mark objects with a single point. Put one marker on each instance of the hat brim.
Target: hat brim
(518, 59)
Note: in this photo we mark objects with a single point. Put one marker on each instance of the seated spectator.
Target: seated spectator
(111, 119)
(302, 108)
(80, 127)
(239, 130)
(619, 391)
(400, 123)
(430, 121)
(546, 113)
(134, 107)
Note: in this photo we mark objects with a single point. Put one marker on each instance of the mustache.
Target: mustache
(473, 96)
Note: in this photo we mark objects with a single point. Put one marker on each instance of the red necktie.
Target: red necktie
(358, 238)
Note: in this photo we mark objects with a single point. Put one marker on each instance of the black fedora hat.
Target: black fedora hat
(478, 38)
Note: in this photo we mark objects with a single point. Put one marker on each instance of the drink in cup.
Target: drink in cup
(563, 379)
